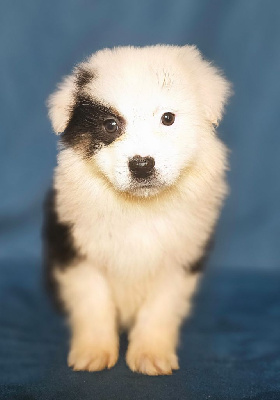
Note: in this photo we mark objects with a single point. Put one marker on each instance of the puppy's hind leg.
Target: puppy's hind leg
(92, 317)
(154, 337)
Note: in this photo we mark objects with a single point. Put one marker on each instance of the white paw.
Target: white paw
(92, 356)
(151, 361)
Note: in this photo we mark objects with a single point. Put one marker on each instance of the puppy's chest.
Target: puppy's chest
(129, 239)
(115, 236)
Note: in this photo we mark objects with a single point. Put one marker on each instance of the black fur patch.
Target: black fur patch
(59, 249)
(85, 130)
(199, 265)
(83, 77)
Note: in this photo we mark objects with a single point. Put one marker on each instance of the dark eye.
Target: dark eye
(168, 118)
(111, 125)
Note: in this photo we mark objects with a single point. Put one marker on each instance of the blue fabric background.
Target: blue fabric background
(40, 41)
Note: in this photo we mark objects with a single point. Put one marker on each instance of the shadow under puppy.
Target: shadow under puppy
(137, 191)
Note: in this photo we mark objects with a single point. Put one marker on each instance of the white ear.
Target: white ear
(60, 104)
(213, 88)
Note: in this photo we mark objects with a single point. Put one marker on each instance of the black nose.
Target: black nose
(141, 167)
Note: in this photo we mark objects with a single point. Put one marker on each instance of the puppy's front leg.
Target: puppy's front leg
(154, 337)
(92, 317)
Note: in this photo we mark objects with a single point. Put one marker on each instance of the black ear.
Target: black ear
(214, 89)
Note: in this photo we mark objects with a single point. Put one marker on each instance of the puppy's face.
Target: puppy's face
(138, 115)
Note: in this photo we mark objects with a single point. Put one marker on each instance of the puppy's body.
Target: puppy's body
(125, 238)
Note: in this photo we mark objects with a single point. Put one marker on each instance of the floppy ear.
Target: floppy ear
(60, 104)
(214, 89)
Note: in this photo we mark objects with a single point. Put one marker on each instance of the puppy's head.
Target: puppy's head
(138, 116)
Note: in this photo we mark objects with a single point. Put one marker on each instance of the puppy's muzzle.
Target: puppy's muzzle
(141, 167)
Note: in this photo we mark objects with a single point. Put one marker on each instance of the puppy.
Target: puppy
(137, 191)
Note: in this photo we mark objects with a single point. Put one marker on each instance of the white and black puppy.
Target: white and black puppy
(137, 191)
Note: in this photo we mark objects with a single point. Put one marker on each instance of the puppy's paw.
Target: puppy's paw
(92, 355)
(151, 360)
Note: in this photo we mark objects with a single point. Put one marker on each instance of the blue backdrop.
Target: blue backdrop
(40, 41)
(230, 348)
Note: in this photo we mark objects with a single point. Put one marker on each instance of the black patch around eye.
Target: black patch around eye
(85, 130)
(83, 77)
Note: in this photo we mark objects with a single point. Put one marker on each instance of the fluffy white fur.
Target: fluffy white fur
(139, 241)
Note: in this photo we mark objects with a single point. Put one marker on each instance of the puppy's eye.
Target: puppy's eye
(168, 118)
(111, 125)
